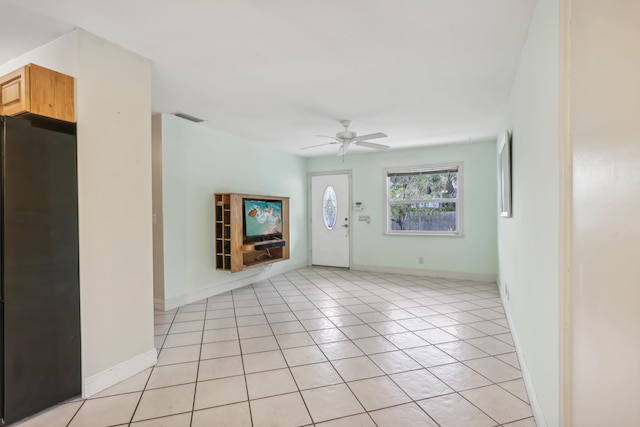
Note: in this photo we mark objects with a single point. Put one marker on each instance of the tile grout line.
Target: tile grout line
(76, 412)
(444, 382)
(306, 406)
(375, 364)
(334, 368)
(153, 368)
(244, 371)
(137, 404)
(385, 374)
(195, 387)
(412, 400)
(310, 291)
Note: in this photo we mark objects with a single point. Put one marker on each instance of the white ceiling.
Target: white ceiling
(280, 72)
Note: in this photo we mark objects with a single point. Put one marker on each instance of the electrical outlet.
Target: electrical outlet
(506, 290)
(421, 260)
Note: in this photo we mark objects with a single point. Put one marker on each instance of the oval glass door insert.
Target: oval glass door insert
(329, 207)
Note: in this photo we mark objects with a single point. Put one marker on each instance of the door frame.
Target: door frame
(310, 175)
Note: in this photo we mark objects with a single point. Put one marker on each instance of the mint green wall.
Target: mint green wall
(473, 254)
(528, 241)
(198, 162)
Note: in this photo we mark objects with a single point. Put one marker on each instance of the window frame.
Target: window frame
(430, 168)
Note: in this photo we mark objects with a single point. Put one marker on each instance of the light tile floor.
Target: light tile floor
(324, 347)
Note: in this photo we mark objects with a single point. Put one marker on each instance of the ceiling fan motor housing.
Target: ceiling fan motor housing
(346, 135)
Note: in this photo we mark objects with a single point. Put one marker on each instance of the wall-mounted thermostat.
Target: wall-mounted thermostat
(358, 206)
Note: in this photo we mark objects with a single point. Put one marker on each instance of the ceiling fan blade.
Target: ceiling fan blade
(319, 145)
(372, 136)
(371, 145)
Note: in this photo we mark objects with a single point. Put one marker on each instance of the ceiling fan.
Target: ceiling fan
(347, 137)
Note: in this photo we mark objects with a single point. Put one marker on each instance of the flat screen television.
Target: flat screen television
(262, 219)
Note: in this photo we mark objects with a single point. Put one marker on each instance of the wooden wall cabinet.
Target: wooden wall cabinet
(235, 254)
(38, 90)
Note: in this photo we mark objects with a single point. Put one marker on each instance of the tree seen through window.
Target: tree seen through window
(423, 201)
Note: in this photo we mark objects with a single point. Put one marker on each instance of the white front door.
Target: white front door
(330, 215)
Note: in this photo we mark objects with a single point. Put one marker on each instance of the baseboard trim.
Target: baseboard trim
(200, 294)
(526, 376)
(427, 273)
(120, 372)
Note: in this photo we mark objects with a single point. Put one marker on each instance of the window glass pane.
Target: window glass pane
(423, 185)
(329, 207)
(429, 216)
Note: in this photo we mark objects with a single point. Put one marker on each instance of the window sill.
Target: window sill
(422, 233)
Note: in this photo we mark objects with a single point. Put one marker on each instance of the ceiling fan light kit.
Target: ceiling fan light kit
(346, 138)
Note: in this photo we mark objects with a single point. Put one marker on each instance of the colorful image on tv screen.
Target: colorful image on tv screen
(262, 217)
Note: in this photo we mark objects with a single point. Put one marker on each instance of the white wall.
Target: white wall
(158, 237)
(598, 157)
(60, 55)
(196, 163)
(604, 300)
(113, 104)
(114, 181)
(472, 256)
(528, 241)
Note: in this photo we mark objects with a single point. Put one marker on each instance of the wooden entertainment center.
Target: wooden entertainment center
(234, 251)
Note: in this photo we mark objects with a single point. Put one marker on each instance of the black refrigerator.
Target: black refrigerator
(39, 292)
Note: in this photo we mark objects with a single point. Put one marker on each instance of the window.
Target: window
(424, 200)
(329, 207)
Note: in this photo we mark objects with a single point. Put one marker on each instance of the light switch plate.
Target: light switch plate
(364, 218)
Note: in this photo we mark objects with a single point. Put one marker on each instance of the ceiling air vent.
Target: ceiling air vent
(188, 117)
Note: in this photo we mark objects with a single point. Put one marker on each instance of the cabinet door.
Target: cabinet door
(14, 93)
(38, 90)
(51, 93)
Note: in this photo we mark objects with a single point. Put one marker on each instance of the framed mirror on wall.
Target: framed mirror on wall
(504, 174)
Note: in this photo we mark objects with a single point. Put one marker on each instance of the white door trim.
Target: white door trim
(309, 211)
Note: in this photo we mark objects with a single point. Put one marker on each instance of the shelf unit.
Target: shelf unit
(223, 231)
(232, 252)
